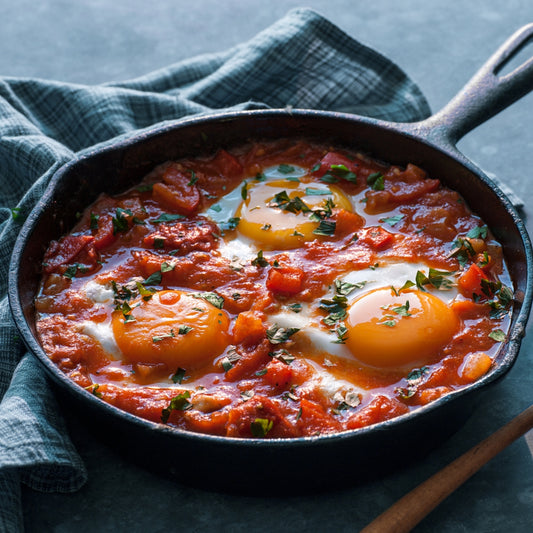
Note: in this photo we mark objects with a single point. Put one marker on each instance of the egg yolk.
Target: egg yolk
(272, 215)
(389, 330)
(174, 328)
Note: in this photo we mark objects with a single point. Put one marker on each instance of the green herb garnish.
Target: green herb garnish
(277, 335)
(260, 427)
(178, 403)
(376, 181)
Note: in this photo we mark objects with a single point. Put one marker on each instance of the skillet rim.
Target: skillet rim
(509, 349)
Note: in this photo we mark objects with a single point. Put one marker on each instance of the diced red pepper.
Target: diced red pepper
(314, 419)
(469, 282)
(285, 280)
(379, 409)
(227, 164)
(334, 159)
(249, 328)
(278, 375)
(177, 190)
(65, 251)
(105, 235)
(376, 237)
(347, 222)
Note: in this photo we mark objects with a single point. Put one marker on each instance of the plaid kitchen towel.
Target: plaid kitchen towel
(301, 61)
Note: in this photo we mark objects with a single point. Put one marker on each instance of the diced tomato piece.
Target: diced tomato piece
(285, 280)
(314, 419)
(183, 237)
(227, 164)
(413, 173)
(251, 361)
(210, 423)
(403, 192)
(474, 366)
(104, 236)
(347, 222)
(65, 251)
(249, 328)
(379, 409)
(333, 159)
(177, 190)
(376, 237)
(278, 375)
(259, 408)
(469, 282)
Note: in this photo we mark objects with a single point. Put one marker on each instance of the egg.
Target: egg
(387, 329)
(387, 326)
(274, 211)
(286, 205)
(173, 327)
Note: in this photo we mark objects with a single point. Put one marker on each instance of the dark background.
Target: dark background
(440, 45)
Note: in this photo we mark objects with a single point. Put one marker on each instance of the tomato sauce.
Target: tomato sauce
(357, 292)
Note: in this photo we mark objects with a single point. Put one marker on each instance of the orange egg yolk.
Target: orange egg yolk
(265, 218)
(174, 328)
(389, 330)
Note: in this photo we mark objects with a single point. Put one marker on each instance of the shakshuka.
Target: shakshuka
(285, 289)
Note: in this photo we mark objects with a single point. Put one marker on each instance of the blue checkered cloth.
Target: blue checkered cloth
(301, 61)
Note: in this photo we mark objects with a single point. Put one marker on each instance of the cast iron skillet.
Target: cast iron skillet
(322, 461)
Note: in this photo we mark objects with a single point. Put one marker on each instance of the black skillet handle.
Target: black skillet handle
(485, 95)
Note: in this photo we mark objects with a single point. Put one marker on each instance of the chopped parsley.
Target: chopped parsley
(462, 250)
(94, 221)
(294, 205)
(120, 222)
(15, 213)
(316, 192)
(295, 308)
(229, 361)
(231, 224)
(439, 279)
(260, 261)
(72, 270)
(376, 181)
(392, 221)
(342, 334)
(167, 217)
(325, 228)
(244, 190)
(402, 310)
(478, 233)
(285, 169)
(159, 338)
(153, 279)
(179, 376)
(277, 335)
(183, 330)
(414, 378)
(344, 288)
(282, 355)
(178, 403)
(336, 309)
(497, 335)
(211, 297)
(349, 400)
(194, 178)
(337, 172)
(260, 427)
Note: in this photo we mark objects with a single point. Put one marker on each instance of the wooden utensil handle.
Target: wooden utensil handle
(407, 512)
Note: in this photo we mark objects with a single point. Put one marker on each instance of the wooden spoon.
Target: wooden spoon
(407, 512)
